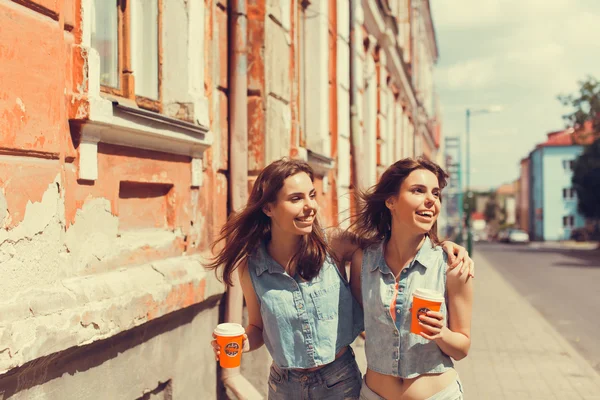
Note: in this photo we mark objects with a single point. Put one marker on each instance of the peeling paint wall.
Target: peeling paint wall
(102, 287)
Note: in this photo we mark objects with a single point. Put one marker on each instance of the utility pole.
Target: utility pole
(453, 194)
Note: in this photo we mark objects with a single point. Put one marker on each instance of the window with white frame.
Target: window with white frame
(314, 76)
(568, 165)
(568, 193)
(568, 221)
(127, 36)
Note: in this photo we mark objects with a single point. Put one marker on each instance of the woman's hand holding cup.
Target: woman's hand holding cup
(235, 341)
(432, 322)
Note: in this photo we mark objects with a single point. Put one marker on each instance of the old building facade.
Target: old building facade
(132, 128)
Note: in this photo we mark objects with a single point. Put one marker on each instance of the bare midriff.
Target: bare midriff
(418, 388)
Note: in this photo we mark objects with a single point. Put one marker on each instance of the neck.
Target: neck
(402, 247)
(283, 247)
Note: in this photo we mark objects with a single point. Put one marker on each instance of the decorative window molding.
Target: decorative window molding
(121, 121)
(321, 164)
(137, 128)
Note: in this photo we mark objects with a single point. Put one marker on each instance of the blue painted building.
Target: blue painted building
(553, 201)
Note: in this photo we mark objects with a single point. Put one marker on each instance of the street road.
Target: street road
(563, 285)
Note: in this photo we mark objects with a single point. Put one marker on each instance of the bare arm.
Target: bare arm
(254, 330)
(455, 339)
(343, 243)
(355, 268)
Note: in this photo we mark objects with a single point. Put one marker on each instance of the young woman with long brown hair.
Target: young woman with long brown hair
(298, 299)
(397, 221)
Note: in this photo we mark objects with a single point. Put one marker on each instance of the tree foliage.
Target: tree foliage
(585, 105)
(586, 181)
(490, 212)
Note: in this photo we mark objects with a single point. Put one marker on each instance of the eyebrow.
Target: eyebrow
(423, 187)
(301, 193)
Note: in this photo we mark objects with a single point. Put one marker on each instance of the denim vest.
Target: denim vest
(390, 347)
(305, 323)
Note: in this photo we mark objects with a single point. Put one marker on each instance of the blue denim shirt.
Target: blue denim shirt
(390, 347)
(305, 323)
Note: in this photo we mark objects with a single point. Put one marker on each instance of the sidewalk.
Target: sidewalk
(565, 245)
(515, 353)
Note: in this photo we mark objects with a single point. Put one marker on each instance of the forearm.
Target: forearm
(454, 344)
(255, 337)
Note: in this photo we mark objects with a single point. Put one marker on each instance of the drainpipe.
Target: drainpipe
(355, 131)
(238, 171)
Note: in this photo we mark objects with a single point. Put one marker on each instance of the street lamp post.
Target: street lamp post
(468, 181)
(469, 195)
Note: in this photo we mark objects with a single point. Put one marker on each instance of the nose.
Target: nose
(430, 199)
(310, 204)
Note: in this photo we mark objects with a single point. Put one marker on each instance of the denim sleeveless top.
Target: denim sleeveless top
(305, 323)
(390, 347)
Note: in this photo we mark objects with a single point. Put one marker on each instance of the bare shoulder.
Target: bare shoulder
(357, 257)
(242, 270)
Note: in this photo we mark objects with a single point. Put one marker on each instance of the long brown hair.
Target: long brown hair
(244, 231)
(373, 221)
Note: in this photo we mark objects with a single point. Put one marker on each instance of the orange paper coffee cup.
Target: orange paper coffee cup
(424, 300)
(229, 337)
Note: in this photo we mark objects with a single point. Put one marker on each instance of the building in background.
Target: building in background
(552, 199)
(506, 199)
(523, 193)
(132, 132)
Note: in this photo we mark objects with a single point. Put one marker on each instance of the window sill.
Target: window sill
(320, 163)
(114, 122)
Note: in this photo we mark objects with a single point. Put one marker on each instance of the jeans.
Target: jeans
(340, 379)
(452, 392)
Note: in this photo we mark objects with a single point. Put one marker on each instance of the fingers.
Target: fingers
(216, 349)
(431, 322)
(452, 259)
(436, 314)
(460, 256)
(245, 343)
(472, 269)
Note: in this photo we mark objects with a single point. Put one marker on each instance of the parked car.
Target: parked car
(517, 236)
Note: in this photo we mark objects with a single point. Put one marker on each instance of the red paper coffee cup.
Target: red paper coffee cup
(424, 300)
(229, 338)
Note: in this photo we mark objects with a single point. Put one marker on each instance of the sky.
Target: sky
(517, 54)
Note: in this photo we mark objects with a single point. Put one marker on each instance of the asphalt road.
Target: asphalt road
(563, 285)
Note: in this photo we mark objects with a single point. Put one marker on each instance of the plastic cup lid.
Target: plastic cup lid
(427, 294)
(229, 329)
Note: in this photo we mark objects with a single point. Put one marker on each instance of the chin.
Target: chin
(305, 231)
(423, 228)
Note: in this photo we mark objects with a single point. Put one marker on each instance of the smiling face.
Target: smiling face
(416, 207)
(295, 209)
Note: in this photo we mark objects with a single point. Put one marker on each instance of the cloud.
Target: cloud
(519, 54)
(470, 74)
(469, 14)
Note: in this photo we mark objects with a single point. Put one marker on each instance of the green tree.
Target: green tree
(585, 106)
(490, 213)
(586, 181)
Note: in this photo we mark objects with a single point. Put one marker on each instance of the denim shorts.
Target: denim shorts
(340, 379)
(454, 391)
